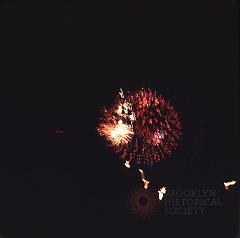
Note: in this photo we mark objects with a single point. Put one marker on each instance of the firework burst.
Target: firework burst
(142, 127)
(117, 133)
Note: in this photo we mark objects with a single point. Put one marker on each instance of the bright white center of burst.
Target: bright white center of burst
(121, 133)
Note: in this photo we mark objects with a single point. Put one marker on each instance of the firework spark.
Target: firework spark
(145, 182)
(127, 164)
(142, 127)
(161, 192)
(117, 133)
(228, 184)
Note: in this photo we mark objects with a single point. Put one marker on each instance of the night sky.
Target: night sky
(63, 64)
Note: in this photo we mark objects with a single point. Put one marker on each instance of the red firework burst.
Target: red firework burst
(142, 127)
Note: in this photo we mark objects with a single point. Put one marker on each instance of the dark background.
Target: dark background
(63, 63)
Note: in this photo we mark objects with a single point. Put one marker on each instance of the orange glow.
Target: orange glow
(145, 182)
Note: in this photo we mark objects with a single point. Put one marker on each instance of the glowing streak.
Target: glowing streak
(127, 164)
(231, 183)
(145, 182)
(142, 173)
(161, 192)
(121, 93)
